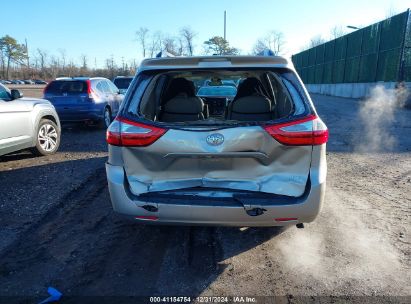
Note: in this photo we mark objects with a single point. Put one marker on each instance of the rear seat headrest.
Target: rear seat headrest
(253, 104)
(179, 85)
(184, 104)
(249, 86)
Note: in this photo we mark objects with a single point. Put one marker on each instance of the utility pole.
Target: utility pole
(225, 24)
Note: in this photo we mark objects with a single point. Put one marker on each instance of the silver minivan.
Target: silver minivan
(251, 155)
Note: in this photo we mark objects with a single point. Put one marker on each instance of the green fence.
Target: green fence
(379, 52)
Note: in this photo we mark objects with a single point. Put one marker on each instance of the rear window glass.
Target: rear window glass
(122, 83)
(68, 87)
(213, 97)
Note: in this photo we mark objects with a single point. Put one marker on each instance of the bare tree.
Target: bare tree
(71, 68)
(133, 66)
(156, 43)
(54, 66)
(83, 60)
(188, 35)
(337, 31)
(273, 41)
(141, 35)
(314, 41)
(181, 48)
(42, 57)
(62, 53)
(111, 66)
(169, 45)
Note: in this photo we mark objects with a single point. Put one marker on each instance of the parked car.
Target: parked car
(27, 123)
(122, 83)
(5, 81)
(38, 81)
(28, 81)
(17, 81)
(80, 99)
(260, 161)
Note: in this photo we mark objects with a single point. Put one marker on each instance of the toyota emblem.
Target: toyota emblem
(215, 139)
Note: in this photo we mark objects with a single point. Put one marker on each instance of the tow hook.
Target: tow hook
(300, 225)
(253, 210)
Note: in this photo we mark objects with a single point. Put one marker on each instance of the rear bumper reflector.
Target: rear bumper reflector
(147, 217)
(286, 219)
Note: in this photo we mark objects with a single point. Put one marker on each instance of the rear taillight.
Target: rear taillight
(46, 87)
(124, 132)
(90, 92)
(308, 131)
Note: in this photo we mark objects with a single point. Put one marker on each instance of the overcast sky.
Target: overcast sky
(101, 28)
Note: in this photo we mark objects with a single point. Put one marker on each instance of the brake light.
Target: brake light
(124, 132)
(309, 131)
(46, 87)
(88, 86)
(90, 92)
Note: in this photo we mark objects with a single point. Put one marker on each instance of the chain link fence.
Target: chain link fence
(378, 52)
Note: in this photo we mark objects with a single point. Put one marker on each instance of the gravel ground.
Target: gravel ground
(29, 90)
(58, 228)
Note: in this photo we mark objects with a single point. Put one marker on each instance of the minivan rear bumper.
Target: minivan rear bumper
(211, 211)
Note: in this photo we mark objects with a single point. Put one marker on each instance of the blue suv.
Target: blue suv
(80, 99)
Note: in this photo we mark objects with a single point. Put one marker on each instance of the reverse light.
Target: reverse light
(308, 131)
(124, 132)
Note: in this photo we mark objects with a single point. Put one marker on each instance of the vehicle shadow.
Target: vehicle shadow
(196, 256)
(145, 260)
(16, 156)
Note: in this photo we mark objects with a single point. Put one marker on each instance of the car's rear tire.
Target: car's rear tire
(107, 117)
(47, 138)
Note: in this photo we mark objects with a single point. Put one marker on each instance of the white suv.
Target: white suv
(27, 123)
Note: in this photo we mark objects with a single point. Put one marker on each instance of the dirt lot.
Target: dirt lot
(58, 228)
(29, 90)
